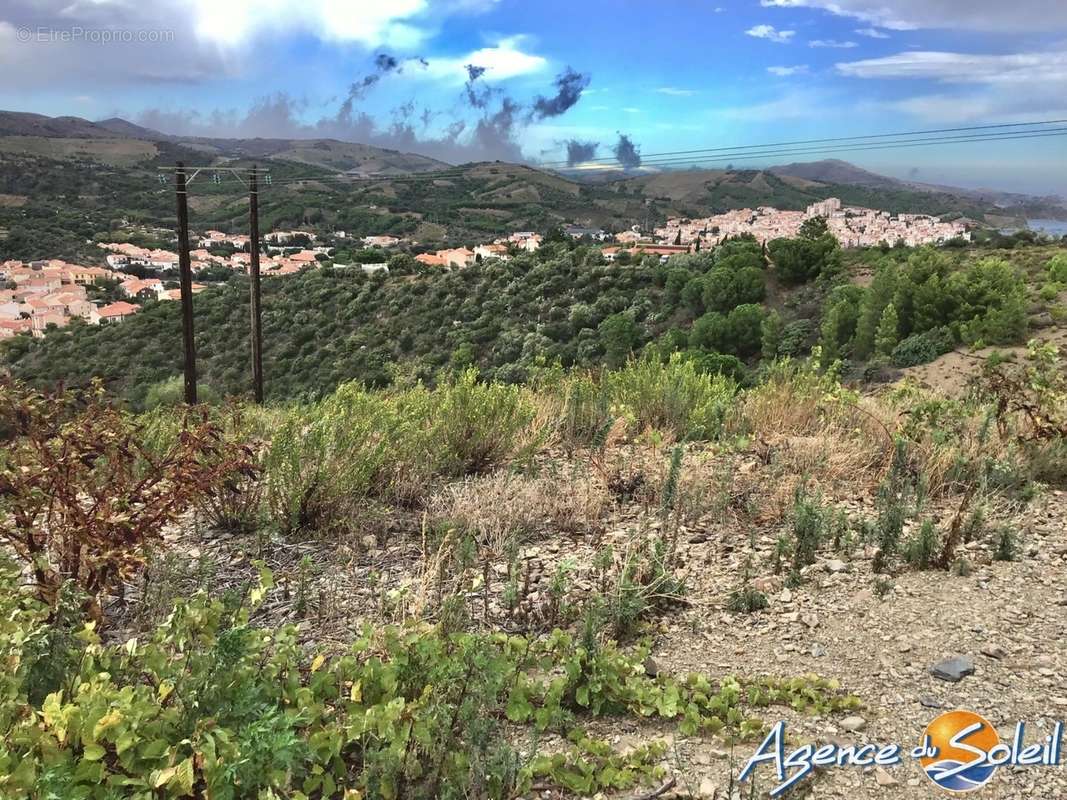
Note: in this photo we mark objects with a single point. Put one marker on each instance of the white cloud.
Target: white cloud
(770, 33)
(994, 16)
(676, 92)
(872, 33)
(832, 43)
(785, 72)
(202, 41)
(1021, 87)
(504, 60)
(631, 110)
(1020, 68)
(235, 22)
(994, 104)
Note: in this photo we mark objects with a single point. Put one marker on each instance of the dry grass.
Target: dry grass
(502, 508)
(808, 425)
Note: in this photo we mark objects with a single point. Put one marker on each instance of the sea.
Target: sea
(1053, 227)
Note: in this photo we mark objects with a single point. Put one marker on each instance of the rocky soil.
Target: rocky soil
(879, 637)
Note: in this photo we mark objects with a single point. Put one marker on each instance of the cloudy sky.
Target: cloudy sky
(544, 79)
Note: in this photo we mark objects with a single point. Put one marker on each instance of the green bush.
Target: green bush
(922, 348)
(326, 458)
(801, 260)
(476, 426)
(676, 396)
(1057, 268)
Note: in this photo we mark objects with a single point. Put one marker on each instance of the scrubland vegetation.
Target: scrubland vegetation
(475, 666)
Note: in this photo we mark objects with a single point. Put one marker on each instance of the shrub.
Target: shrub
(1057, 268)
(808, 529)
(209, 705)
(326, 458)
(584, 413)
(726, 288)
(171, 392)
(801, 260)
(477, 426)
(922, 348)
(1006, 545)
(923, 547)
(797, 338)
(747, 600)
(81, 494)
(675, 397)
(619, 335)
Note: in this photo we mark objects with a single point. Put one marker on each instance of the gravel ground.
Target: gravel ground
(1010, 618)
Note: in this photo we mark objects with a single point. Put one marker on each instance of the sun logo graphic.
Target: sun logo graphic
(957, 749)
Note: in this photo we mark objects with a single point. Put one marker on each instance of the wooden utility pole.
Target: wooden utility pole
(186, 279)
(257, 330)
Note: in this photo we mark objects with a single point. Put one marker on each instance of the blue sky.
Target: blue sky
(670, 75)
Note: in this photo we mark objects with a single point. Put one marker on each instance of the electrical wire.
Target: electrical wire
(826, 146)
(823, 141)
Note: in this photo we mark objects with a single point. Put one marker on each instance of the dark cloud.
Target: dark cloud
(577, 151)
(486, 128)
(626, 152)
(477, 94)
(383, 65)
(569, 86)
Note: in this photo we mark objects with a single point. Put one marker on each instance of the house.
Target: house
(163, 259)
(431, 260)
(369, 269)
(37, 304)
(457, 257)
(148, 287)
(380, 241)
(176, 294)
(74, 304)
(13, 327)
(304, 257)
(10, 310)
(281, 237)
(627, 237)
(211, 238)
(578, 232)
(40, 322)
(115, 312)
(487, 251)
(664, 251)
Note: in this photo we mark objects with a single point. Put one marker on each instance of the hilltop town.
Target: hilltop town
(853, 226)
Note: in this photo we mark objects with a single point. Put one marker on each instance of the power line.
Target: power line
(735, 154)
(826, 146)
(1054, 132)
(824, 141)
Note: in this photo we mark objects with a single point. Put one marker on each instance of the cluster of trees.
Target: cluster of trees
(813, 253)
(326, 326)
(563, 303)
(915, 310)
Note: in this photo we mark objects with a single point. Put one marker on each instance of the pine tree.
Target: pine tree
(771, 334)
(878, 296)
(887, 337)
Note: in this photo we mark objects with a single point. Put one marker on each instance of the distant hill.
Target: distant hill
(833, 170)
(330, 154)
